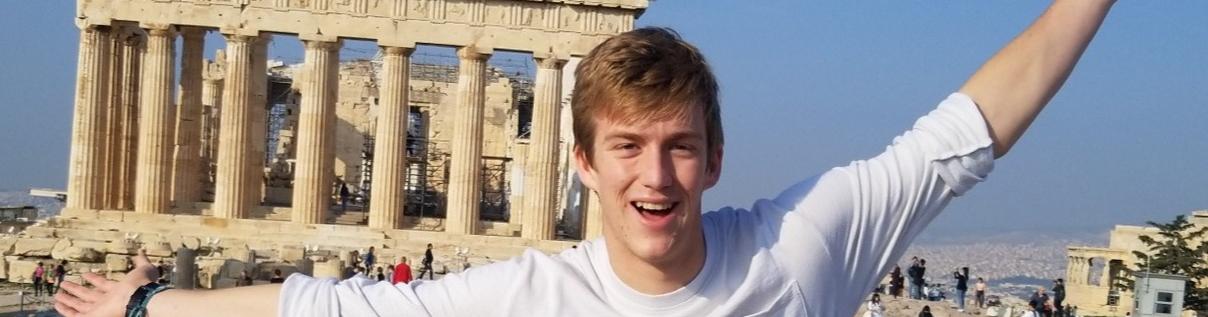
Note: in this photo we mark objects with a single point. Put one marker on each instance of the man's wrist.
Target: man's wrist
(141, 298)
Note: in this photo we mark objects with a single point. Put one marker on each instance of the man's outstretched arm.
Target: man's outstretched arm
(109, 298)
(1013, 86)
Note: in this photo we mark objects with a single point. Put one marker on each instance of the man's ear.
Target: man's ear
(587, 175)
(713, 166)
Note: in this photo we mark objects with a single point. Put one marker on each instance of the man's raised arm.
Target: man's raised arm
(1014, 85)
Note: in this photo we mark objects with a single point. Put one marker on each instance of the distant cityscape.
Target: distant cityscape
(1013, 263)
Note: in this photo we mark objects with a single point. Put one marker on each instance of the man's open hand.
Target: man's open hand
(105, 298)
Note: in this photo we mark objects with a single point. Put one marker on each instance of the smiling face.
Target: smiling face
(650, 175)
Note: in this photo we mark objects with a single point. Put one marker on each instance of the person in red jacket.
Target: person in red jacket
(402, 272)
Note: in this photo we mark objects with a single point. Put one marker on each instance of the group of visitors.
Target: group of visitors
(400, 272)
(916, 277)
(47, 278)
(1045, 306)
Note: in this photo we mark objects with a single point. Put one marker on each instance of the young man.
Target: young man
(649, 142)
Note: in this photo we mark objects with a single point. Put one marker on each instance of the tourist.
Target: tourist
(48, 281)
(895, 282)
(369, 259)
(344, 194)
(39, 273)
(918, 279)
(926, 312)
(427, 264)
(277, 278)
(874, 306)
(390, 273)
(1059, 296)
(60, 273)
(962, 286)
(402, 272)
(649, 143)
(379, 274)
(979, 291)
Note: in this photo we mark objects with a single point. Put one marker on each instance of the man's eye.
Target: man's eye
(626, 146)
(683, 147)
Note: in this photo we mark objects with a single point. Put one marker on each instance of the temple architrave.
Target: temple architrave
(240, 160)
(1093, 273)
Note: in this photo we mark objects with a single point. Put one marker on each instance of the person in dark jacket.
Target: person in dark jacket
(1059, 296)
(962, 286)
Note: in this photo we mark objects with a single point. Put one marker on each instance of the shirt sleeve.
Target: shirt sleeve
(843, 229)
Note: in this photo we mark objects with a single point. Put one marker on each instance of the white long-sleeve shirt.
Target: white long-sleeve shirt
(815, 249)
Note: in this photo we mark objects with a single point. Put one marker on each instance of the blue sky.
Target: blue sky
(807, 86)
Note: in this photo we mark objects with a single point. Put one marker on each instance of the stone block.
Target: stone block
(187, 242)
(3, 268)
(290, 253)
(117, 262)
(224, 283)
(158, 248)
(111, 215)
(34, 246)
(6, 245)
(21, 270)
(122, 246)
(66, 249)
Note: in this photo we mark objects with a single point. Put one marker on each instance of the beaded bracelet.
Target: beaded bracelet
(137, 307)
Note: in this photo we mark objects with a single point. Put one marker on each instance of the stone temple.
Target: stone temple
(236, 163)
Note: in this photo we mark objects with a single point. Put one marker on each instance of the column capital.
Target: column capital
(549, 62)
(192, 32)
(323, 45)
(241, 38)
(397, 50)
(158, 29)
(474, 53)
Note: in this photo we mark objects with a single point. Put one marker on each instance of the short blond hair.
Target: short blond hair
(645, 74)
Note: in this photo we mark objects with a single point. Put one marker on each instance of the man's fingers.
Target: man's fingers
(81, 292)
(65, 310)
(73, 303)
(99, 281)
(141, 259)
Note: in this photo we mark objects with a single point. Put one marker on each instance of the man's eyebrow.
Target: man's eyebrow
(631, 136)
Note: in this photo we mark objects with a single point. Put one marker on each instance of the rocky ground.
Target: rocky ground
(902, 307)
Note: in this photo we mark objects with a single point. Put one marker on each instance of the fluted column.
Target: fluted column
(465, 168)
(231, 190)
(593, 215)
(314, 170)
(259, 106)
(187, 172)
(390, 143)
(111, 151)
(211, 100)
(541, 170)
(84, 182)
(133, 44)
(156, 112)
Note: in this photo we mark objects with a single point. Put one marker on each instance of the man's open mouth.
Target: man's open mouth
(654, 209)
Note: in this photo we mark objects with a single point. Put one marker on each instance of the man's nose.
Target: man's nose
(657, 170)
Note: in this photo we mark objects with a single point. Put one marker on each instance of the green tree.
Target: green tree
(1177, 249)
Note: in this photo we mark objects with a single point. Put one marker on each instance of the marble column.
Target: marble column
(593, 215)
(541, 170)
(111, 152)
(156, 113)
(186, 179)
(84, 182)
(133, 44)
(231, 188)
(390, 143)
(465, 167)
(259, 107)
(211, 100)
(314, 170)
